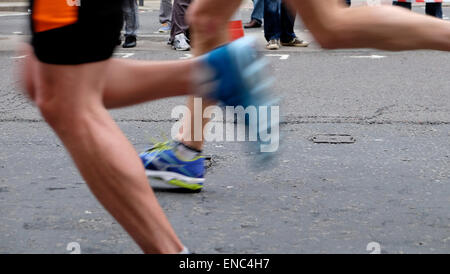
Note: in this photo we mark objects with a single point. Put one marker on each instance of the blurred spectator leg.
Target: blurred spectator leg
(402, 4)
(131, 18)
(287, 21)
(165, 15)
(179, 33)
(434, 9)
(257, 15)
(288, 37)
(272, 23)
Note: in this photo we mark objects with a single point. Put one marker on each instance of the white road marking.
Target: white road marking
(282, 56)
(124, 55)
(14, 14)
(368, 57)
(19, 57)
(186, 56)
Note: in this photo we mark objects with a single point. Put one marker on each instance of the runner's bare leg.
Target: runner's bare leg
(70, 99)
(384, 27)
(129, 82)
(132, 82)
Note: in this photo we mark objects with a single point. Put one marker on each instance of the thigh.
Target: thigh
(70, 87)
(72, 44)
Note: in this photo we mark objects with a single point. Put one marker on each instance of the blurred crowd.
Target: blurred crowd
(273, 15)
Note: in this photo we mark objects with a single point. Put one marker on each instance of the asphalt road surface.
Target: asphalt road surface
(391, 186)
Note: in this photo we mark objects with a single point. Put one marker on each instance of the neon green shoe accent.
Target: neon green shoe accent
(182, 184)
(167, 145)
(193, 160)
(162, 146)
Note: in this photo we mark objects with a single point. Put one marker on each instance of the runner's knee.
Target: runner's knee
(53, 111)
(61, 111)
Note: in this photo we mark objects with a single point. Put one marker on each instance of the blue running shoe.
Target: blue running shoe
(240, 78)
(240, 74)
(161, 162)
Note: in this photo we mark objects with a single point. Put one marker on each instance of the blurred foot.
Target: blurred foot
(241, 77)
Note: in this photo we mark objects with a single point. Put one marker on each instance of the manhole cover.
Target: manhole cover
(333, 139)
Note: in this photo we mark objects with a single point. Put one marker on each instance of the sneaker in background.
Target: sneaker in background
(295, 42)
(273, 44)
(130, 42)
(181, 43)
(165, 28)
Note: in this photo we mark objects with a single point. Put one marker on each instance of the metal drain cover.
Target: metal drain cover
(333, 139)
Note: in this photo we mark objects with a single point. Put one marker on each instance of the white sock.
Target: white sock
(186, 153)
(185, 251)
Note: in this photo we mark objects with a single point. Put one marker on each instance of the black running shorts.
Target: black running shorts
(72, 32)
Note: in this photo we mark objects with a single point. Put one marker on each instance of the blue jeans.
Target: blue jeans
(258, 10)
(432, 9)
(131, 17)
(179, 24)
(165, 11)
(278, 21)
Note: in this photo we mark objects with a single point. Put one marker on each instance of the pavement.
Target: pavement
(390, 187)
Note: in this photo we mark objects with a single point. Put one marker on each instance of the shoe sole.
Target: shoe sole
(176, 179)
(188, 49)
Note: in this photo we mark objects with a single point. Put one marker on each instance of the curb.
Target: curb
(14, 7)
